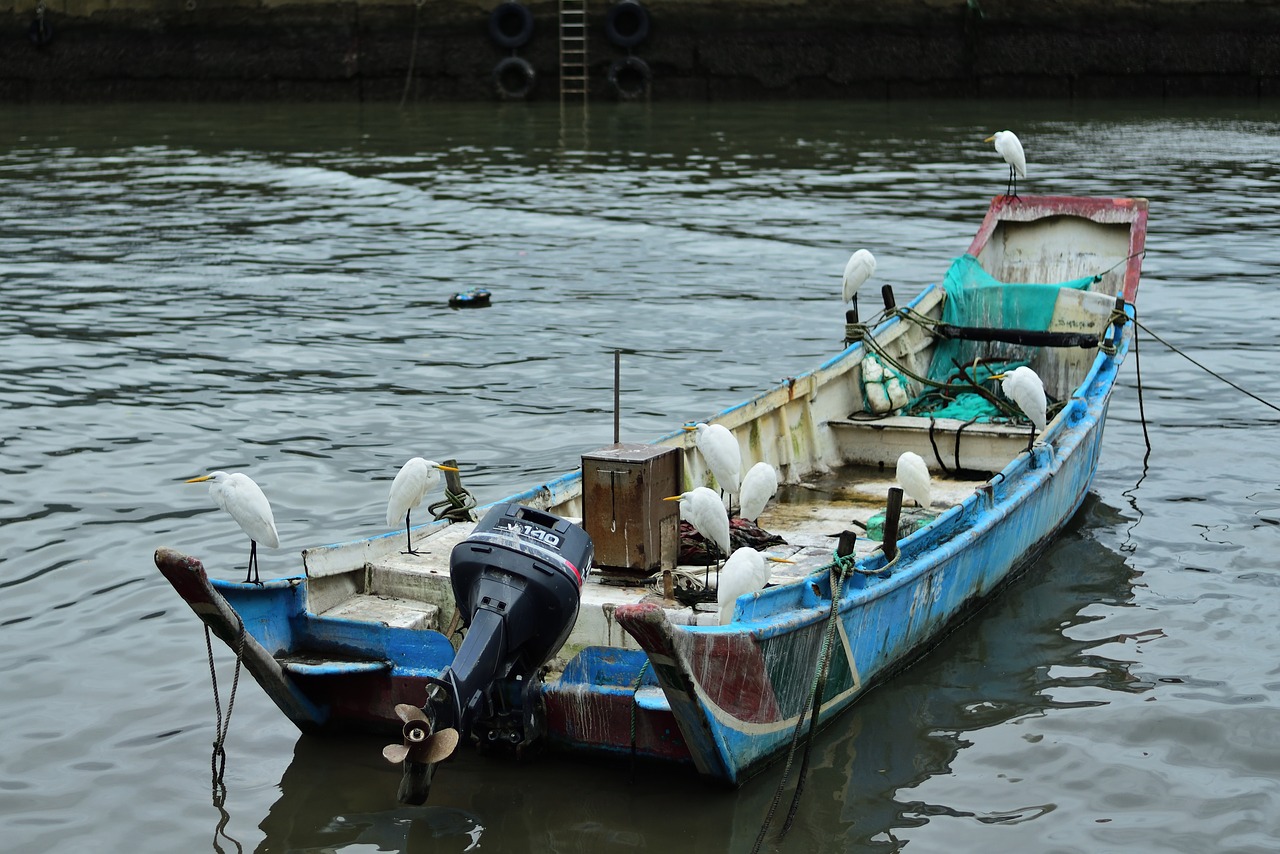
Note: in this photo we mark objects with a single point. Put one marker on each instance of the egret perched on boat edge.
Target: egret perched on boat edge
(745, 571)
(723, 456)
(414, 480)
(1024, 387)
(1009, 147)
(913, 477)
(237, 494)
(861, 266)
(759, 485)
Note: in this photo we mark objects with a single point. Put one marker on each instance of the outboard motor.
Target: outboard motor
(517, 581)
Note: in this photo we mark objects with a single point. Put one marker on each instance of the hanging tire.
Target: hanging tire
(514, 78)
(629, 78)
(627, 23)
(511, 24)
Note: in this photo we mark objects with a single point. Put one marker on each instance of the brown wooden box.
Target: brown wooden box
(632, 528)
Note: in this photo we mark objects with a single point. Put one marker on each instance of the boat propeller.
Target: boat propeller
(420, 752)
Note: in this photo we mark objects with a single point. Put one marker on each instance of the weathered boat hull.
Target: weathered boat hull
(341, 645)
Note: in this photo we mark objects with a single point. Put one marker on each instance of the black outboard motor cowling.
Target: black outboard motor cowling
(517, 581)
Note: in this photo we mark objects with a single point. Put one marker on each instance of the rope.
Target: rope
(839, 568)
(1208, 371)
(635, 687)
(456, 506)
(218, 761)
(1142, 410)
(413, 53)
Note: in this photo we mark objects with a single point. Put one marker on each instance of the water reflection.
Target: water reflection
(1016, 660)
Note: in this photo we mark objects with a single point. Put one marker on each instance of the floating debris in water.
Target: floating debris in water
(471, 298)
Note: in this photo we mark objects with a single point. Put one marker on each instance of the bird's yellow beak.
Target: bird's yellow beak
(997, 376)
(447, 468)
(990, 139)
(202, 477)
(672, 498)
(779, 559)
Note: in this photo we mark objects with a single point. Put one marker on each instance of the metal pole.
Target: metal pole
(617, 373)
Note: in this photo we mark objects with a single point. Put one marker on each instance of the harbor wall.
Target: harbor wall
(74, 50)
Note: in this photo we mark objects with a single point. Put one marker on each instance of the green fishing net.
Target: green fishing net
(976, 298)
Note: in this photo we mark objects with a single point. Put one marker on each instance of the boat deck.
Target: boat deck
(414, 591)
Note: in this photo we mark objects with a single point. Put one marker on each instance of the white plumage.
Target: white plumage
(861, 266)
(758, 486)
(415, 479)
(913, 477)
(745, 571)
(704, 510)
(239, 496)
(723, 456)
(1009, 147)
(1024, 387)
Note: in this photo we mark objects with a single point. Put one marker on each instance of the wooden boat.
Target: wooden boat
(364, 628)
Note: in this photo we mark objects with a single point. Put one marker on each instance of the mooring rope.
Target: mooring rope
(218, 761)
(1207, 370)
(635, 687)
(413, 52)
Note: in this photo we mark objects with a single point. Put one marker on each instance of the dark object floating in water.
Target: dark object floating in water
(473, 298)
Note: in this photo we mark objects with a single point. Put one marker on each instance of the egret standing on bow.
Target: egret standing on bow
(415, 479)
(861, 266)
(1009, 147)
(745, 571)
(238, 495)
(704, 510)
(760, 484)
(913, 477)
(723, 456)
(1024, 387)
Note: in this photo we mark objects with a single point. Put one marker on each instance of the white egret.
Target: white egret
(1024, 387)
(415, 479)
(1009, 147)
(861, 266)
(723, 456)
(704, 510)
(759, 485)
(237, 494)
(745, 571)
(913, 477)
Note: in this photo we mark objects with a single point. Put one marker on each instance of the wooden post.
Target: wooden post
(844, 546)
(886, 293)
(892, 514)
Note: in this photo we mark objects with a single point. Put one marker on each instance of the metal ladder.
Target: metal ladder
(573, 50)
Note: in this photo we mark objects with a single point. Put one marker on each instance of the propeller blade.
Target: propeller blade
(437, 748)
(395, 752)
(407, 713)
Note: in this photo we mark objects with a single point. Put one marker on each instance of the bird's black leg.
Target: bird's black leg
(408, 540)
(1013, 178)
(1031, 440)
(253, 565)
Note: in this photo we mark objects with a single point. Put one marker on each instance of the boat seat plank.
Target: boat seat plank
(333, 668)
(390, 611)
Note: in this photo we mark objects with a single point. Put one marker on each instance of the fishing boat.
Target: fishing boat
(562, 617)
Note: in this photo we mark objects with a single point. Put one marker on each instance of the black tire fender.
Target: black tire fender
(511, 24)
(514, 77)
(627, 23)
(629, 78)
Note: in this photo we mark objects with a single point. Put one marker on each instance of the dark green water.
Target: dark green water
(264, 289)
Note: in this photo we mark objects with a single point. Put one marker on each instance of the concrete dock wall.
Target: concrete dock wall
(71, 50)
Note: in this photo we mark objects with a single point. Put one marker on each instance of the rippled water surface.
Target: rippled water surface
(265, 289)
